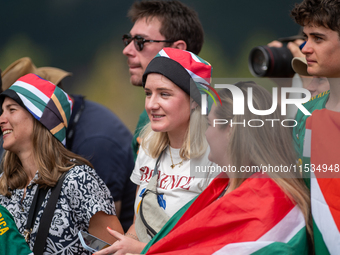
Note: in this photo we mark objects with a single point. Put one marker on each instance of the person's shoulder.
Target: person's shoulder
(83, 174)
(81, 168)
(317, 102)
(144, 160)
(98, 120)
(99, 109)
(6, 218)
(79, 172)
(4, 211)
(81, 185)
(97, 105)
(142, 155)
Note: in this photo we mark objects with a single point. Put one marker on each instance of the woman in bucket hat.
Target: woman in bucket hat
(33, 121)
(173, 143)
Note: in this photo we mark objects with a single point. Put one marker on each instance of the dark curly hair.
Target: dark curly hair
(324, 13)
(179, 22)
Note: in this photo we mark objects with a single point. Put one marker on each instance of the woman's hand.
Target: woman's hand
(122, 246)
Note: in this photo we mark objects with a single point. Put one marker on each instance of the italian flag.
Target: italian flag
(256, 218)
(321, 155)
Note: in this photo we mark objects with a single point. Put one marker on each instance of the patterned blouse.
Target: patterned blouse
(83, 194)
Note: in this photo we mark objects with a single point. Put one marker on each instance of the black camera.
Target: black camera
(267, 61)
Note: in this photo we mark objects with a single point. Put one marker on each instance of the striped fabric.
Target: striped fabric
(49, 104)
(256, 218)
(199, 69)
(321, 155)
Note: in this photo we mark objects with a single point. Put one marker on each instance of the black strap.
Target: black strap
(73, 123)
(149, 229)
(46, 218)
(34, 209)
(155, 170)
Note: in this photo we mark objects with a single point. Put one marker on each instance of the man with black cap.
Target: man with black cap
(95, 133)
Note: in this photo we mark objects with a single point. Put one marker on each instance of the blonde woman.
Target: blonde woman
(171, 83)
(244, 212)
(33, 121)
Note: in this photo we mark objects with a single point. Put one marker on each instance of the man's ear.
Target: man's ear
(180, 44)
(193, 105)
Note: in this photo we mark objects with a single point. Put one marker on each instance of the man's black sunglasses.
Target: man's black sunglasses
(139, 41)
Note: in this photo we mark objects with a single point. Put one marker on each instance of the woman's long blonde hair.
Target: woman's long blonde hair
(271, 144)
(51, 157)
(194, 145)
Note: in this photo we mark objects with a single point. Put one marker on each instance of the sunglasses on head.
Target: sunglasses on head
(139, 41)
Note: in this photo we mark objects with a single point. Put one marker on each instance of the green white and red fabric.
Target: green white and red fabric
(321, 148)
(256, 218)
(199, 69)
(46, 102)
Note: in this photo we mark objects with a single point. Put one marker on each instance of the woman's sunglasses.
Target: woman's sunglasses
(139, 41)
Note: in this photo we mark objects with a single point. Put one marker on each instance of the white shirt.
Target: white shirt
(178, 185)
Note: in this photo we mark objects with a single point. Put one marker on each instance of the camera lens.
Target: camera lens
(259, 61)
(267, 61)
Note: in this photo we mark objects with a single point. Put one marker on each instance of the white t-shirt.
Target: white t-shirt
(177, 186)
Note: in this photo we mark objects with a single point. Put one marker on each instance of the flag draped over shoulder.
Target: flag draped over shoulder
(256, 218)
(321, 158)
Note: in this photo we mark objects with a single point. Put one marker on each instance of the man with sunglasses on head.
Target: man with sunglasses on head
(158, 24)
